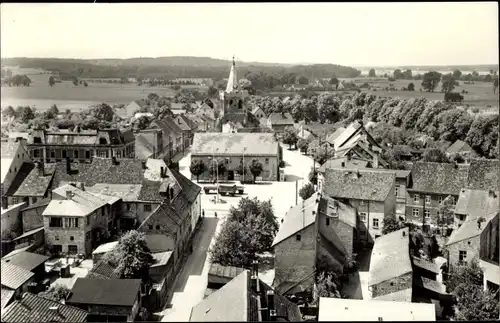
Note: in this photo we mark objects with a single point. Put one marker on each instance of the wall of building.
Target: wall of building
(343, 231)
(471, 246)
(393, 285)
(21, 156)
(374, 210)
(294, 259)
(269, 173)
(489, 240)
(421, 205)
(32, 218)
(195, 212)
(62, 236)
(139, 210)
(12, 222)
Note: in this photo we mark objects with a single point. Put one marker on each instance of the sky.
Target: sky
(353, 34)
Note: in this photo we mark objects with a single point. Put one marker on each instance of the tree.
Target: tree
(398, 74)
(52, 81)
(371, 73)
(103, 112)
(212, 92)
(457, 74)
(52, 112)
(197, 168)
(435, 155)
(407, 75)
(142, 123)
(153, 97)
(75, 81)
(313, 176)
(475, 74)
(334, 81)
(448, 83)
(255, 168)
(302, 144)
(411, 87)
(57, 293)
(391, 224)
(350, 263)
(495, 85)
(25, 114)
(216, 167)
(303, 80)
(306, 191)
(328, 285)
(85, 83)
(131, 257)
(290, 136)
(9, 112)
(488, 78)
(430, 81)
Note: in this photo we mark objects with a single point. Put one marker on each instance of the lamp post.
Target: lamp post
(244, 149)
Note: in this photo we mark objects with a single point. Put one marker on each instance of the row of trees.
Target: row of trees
(248, 231)
(407, 74)
(198, 167)
(17, 80)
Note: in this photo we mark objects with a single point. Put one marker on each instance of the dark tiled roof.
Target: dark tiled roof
(26, 260)
(34, 184)
(118, 292)
(33, 308)
(281, 119)
(165, 214)
(188, 188)
(127, 136)
(483, 174)
(475, 203)
(103, 270)
(369, 185)
(166, 127)
(470, 229)
(224, 271)
(181, 123)
(20, 177)
(459, 146)
(14, 276)
(439, 178)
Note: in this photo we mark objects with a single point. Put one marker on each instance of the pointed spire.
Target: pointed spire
(234, 64)
(232, 82)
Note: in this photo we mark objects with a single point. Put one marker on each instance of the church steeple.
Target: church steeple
(232, 82)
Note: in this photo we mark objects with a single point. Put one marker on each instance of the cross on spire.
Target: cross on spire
(233, 61)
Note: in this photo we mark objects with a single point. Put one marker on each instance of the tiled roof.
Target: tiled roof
(188, 188)
(34, 184)
(430, 284)
(298, 218)
(33, 308)
(332, 137)
(390, 256)
(161, 258)
(21, 176)
(105, 247)
(439, 178)
(25, 235)
(7, 295)
(347, 134)
(165, 214)
(127, 192)
(277, 118)
(224, 271)
(427, 265)
(81, 203)
(459, 146)
(26, 260)
(191, 124)
(333, 208)
(166, 127)
(181, 123)
(143, 148)
(337, 309)
(369, 185)
(118, 292)
(255, 110)
(103, 270)
(226, 144)
(483, 174)
(404, 295)
(353, 163)
(14, 276)
(470, 229)
(475, 203)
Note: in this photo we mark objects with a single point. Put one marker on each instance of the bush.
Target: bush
(453, 97)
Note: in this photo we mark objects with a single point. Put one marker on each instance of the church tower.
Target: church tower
(233, 98)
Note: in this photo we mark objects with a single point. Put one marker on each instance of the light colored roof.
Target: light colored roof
(331, 138)
(255, 110)
(277, 118)
(7, 295)
(178, 111)
(491, 271)
(5, 166)
(337, 309)
(347, 133)
(459, 146)
(106, 247)
(298, 218)
(230, 303)
(232, 81)
(353, 163)
(403, 295)
(234, 144)
(475, 203)
(427, 265)
(14, 276)
(470, 229)
(390, 256)
(25, 260)
(127, 192)
(161, 258)
(81, 203)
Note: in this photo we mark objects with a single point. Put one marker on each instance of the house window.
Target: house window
(440, 200)
(416, 197)
(298, 237)
(64, 155)
(52, 154)
(327, 221)
(71, 238)
(415, 212)
(267, 161)
(87, 154)
(150, 227)
(362, 216)
(375, 223)
(37, 140)
(75, 153)
(128, 206)
(88, 220)
(55, 223)
(427, 199)
(397, 191)
(36, 153)
(452, 200)
(34, 199)
(72, 249)
(57, 248)
(157, 227)
(361, 202)
(462, 255)
(427, 213)
(147, 207)
(56, 238)
(70, 222)
(87, 236)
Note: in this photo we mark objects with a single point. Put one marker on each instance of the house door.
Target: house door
(230, 175)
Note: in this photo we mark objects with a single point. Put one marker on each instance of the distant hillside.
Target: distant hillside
(172, 67)
(483, 67)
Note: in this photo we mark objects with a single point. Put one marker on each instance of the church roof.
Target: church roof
(232, 81)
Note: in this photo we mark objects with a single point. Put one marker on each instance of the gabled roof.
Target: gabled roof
(224, 271)
(143, 148)
(256, 109)
(25, 260)
(14, 276)
(118, 292)
(353, 163)
(33, 308)
(165, 214)
(459, 146)
(439, 178)
(369, 185)
(227, 144)
(277, 118)
(345, 135)
(182, 123)
(19, 178)
(475, 203)
(332, 137)
(404, 295)
(427, 265)
(483, 174)
(470, 229)
(7, 295)
(34, 184)
(431, 285)
(80, 203)
(390, 257)
(103, 270)
(105, 247)
(337, 309)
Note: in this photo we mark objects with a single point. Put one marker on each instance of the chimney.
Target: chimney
(343, 164)
(5, 202)
(143, 164)
(82, 186)
(255, 276)
(270, 301)
(54, 309)
(39, 166)
(162, 172)
(404, 233)
(69, 195)
(375, 159)
(68, 165)
(349, 156)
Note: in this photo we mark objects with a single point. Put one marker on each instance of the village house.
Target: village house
(317, 232)
(76, 221)
(258, 113)
(303, 133)
(231, 127)
(29, 261)
(473, 204)
(80, 145)
(245, 299)
(188, 128)
(279, 121)
(391, 274)
(234, 150)
(172, 137)
(462, 148)
(354, 133)
(16, 164)
(33, 308)
(356, 310)
(111, 300)
(149, 144)
(15, 281)
(474, 235)
(129, 111)
(372, 193)
(205, 122)
(220, 275)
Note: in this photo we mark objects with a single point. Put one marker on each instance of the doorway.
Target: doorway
(230, 175)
